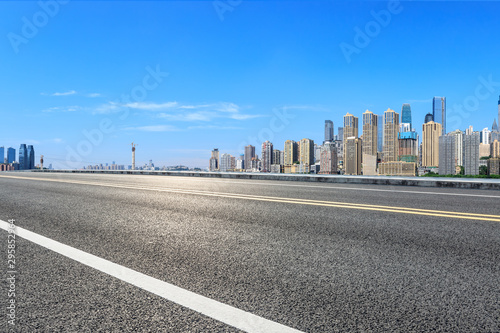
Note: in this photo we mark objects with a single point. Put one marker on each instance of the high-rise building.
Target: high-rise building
(328, 164)
(350, 127)
(214, 162)
(469, 130)
(494, 127)
(408, 146)
(370, 133)
(340, 136)
(278, 157)
(428, 117)
(447, 158)
(439, 112)
(23, 157)
(11, 155)
(31, 157)
(225, 163)
(495, 149)
(391, 130)
(249, 154)
(485, 136)
(2, 154)
(459, 146)
(290, 155)
(499, 110)
(328, 130)
(431, 132)
(380, 133)
(471, 153)
(267, 156)
(352, 156)
(306, 153)
(406, 115)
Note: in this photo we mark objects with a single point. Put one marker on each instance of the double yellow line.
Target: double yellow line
(346, 205)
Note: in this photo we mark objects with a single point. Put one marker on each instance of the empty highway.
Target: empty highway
(130, 253)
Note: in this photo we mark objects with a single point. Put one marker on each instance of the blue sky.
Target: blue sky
(222, 74)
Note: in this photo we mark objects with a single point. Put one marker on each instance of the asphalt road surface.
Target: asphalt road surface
(123, 253)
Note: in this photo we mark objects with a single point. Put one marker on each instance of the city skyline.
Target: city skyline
(229, 88)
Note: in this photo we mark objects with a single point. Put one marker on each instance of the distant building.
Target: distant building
(278, 157)
(397, 168)
(340, 136)
(494, 166)
(484, 150)
(439, 112)
(214, 160)
(11, 155)
(391, 130)
(31, 157)
(471, 154)
(23, 157)
(406, 115)
(352, 156)
(495, 149)
(469, 130)
(267, 156)
(447, 158)
(431, 132)
(428, 118)
(459, 146)
(370, 133)
(350, 127)
(307, 153)
(328, 130)
(328, 159)
(494, 127)
(485, 136)
(225, 163)
(380, 133)
(249, 155)
(290, 155)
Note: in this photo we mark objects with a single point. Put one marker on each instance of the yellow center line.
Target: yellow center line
(401, 210)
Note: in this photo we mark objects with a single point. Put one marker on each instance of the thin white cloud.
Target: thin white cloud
(153, 128)
(151, 106)
(67, 93)
(93, 95)
(72, 108)
(215, 127)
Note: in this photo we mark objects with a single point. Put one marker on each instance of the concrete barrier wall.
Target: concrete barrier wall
(466, 183)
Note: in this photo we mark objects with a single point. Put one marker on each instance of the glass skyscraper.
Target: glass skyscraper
(439, 112)
(31, 157)
(2, 154)
(380, 133)
(23, 157)
(11, 155)
(428, 117)
(328, 130)
(406, 115)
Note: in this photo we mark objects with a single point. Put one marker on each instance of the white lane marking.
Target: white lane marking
(216, 310)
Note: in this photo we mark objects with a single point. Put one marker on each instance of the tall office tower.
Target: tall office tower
(31, 157)
(11, 155)
(391, 129)
(406, 115)
(2, 154)
(352, 156)
(23, 157)
(428, 117)
(494, 127)
(370, 133)
(249, 154)
(408, 146)
(277, 157)
(340, 136)
(225, 162)
(214, 162)
(267, 156)
(328, 164)
(471, 153)
(495, 149)
(498, 109)
(328, 131)
(459, 146)
(439, 112)
(317, 152)
(350, 127)
(380, 133)
(431, 132)
(447, 158)
(485, 136)
(306, 153)
(290, 155)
